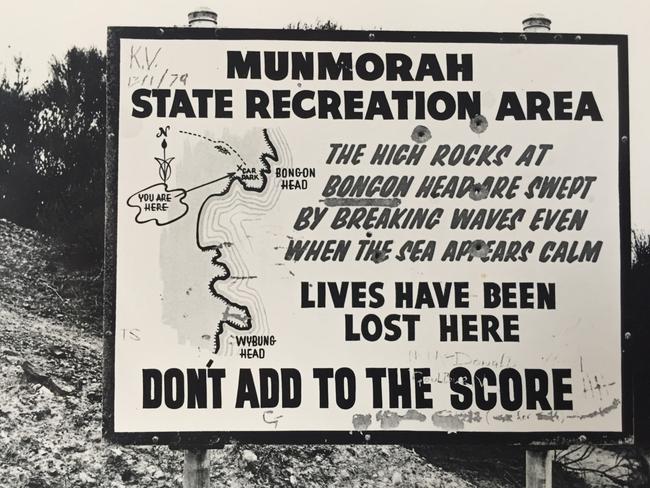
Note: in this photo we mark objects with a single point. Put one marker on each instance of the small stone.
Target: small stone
(57, 351)
(293, 480)
(397, 478)
(86, 478)
(249, 456)
(13, 360)
(45, 393)
(158, 474)
(116, 452)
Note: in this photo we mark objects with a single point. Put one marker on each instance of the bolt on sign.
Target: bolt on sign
(366, 237)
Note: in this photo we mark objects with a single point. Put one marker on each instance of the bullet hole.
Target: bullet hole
(366, 437)
(628, 336)
(368, 235)
(420, 134)
(557, 37)
(523, 37)
(371, 36)
(206, 337)
(578, 38)
(624, 139)
(479, 249)
(478, 124)
(379, 257)
(155, 439)
(479, 192)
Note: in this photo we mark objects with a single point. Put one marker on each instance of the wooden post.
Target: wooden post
(539, 463)
(196, 468)
(539, 469)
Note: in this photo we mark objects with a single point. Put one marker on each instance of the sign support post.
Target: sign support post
(539, 463)
(196, 462)
(539, 468)
(196, 468)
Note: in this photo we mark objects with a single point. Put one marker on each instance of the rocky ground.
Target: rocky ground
(50, 409)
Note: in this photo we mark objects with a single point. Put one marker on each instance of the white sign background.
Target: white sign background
(162, 276)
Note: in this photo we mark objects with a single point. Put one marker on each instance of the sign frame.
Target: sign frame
(216, 439)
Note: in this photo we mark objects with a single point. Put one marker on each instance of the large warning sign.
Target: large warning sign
(355, 236)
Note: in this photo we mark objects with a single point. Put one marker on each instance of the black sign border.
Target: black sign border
(217, 439)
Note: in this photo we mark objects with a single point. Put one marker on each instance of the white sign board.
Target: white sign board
(330, 236)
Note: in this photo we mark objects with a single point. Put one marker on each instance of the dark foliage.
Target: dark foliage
(52, 152)
(639, 315)
(17, 176)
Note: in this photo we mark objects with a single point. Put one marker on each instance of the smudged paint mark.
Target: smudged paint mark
(361, 202)
(601, 412)
(552, 416)
(478, 124)
(414, 415)
(479, 192)
(420, 134)
(361, 422)
(479, 249)
(388, 419)
(391, 420)
(454, 422)
(447, 421)
(503, 418)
